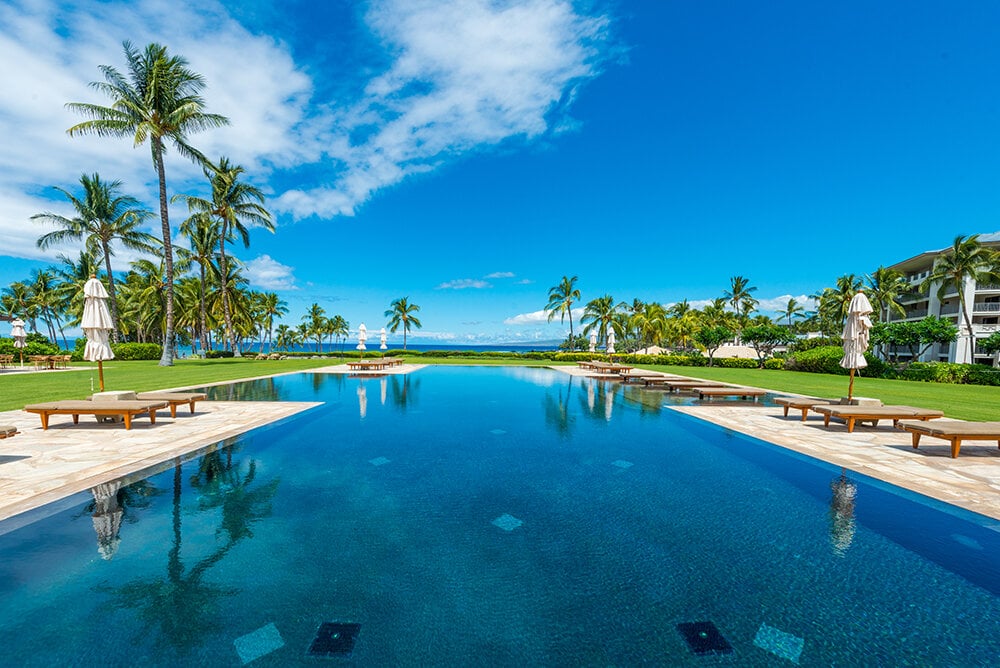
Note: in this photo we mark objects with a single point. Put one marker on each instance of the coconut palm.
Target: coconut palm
(45, 296)
(203, 237)
(968, 259)
(600, 314)
(740, 298)
(886, 287)
(272, 306)
(341, 329)
(234, 206)
(561, 298)
(400, 314)
(650, 324)
(158, 100)
(16, 302)
(71, 276)
(103, 215)
(793, 309)
(284, 338)
(315, 324)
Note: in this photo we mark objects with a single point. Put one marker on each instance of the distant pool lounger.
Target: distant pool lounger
(853, 414)
(678, 385)
(6, 431)
(952, 431)
(173, 399)
(126, 409)
(741, 392)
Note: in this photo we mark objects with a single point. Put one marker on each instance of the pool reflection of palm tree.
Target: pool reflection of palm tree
(262, 389)
(182, 605)
(557, 411)
(404, 390)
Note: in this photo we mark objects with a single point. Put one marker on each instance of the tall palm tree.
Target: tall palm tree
(885, 289)
(315, 323)
(839, 299)
(740, 298)
(16, 301)
(561, 298)
(401, 313)
(968, 259)
(600, 314)
(793, 309)
(235, 204)
(272, 306)
(159, 100)
(285, 337)
(203, 237)
(45, 296)
(71, 277)
(341, 329)
(103, 215)
(651, 324)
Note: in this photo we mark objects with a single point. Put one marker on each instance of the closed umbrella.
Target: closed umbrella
(19, 335)
(593, 342)
(856, 334)
(611, 342)
(96, 324)
(381, 334)
(362, 337)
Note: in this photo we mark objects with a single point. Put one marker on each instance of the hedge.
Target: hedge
(218, 354)
(826, 359)
(32, 348)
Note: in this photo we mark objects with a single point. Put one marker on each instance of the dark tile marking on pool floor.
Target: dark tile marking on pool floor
(334, 639)
(704, 638)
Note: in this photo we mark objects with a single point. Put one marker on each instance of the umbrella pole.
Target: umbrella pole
(100, 373)
(850, 387)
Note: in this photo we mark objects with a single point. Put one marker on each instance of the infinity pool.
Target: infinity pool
(501, 517)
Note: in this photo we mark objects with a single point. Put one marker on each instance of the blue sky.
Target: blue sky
(469, 153)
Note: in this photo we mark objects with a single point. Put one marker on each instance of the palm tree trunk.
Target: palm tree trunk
(167, 358)
(111, 290)
(968, 322)
(202, 312)
(224, 262)
(572, 341)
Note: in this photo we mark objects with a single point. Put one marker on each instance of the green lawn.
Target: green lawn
(969, 402)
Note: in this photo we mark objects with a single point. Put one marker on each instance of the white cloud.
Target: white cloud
(778, 304)
(500, 274)
(466, 75)
(540, 317)
(523, 281)
(464, 284)
(268, 274)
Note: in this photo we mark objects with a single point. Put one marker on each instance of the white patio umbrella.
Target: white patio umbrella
(611, 341)
(593, 341)
(362, 337)
(856, 334)
(96, 324)
(19, 335)
(382, 345)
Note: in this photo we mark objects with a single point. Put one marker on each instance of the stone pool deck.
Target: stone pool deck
(40, 466)
(972, 481)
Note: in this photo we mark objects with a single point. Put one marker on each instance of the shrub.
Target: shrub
(801, 345)
(826, 359)
(934, 372)
(136, 351)
(774, 363)
(218, 354)
(33, 347)
(982, 375)
(737, 363)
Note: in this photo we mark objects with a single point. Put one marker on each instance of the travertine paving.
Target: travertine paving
(972, 481)
(40, 466)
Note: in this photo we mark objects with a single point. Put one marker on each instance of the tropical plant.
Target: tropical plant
(885, 288)
(272, 306)
(561, 298)
(711, 338)
(103, 215)
(968, 259)
(401, 314)
(793, 310)
(234, 206)
(203, 237)
(157, 101)
(765, 337)
(911, 335)
(740, 297)
(315, 323)
(600, 314)
(650, 324)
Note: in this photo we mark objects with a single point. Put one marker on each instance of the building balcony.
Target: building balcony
(988, 287)
(982, 331)
(986, 307)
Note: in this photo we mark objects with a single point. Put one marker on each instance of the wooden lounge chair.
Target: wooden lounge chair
(174, 399)
(853, 414)
(6, 431)
(804, 404)
(741, 392)
(679, 385)
(953, 431)
(126, 409)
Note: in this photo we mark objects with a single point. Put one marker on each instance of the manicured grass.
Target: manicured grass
(965, 402)
(16, 390)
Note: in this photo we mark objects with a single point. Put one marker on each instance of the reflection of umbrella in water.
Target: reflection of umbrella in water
(362, 399)
(609, 403)
(383, 384)
(842, 513)
(19, 335)
(856, 337)
(96, 324)
(611, 341)
(590, 397)
(107, 518)
(593, 341)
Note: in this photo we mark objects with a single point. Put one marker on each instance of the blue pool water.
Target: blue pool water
(502, 517)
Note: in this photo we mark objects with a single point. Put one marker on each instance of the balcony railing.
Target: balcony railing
(987, 287)
(986, 307)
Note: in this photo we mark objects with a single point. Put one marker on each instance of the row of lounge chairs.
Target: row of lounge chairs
(915, 421)
(705, 389)
(145, 403)
(375, 364)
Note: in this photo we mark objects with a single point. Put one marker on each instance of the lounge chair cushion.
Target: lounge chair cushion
(953, 428)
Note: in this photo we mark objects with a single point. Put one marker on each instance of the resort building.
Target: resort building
(982, 300)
